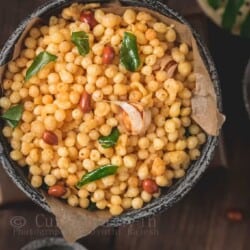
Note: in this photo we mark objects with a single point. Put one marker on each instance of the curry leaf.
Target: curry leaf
(13, 115)
(92, 206)
(97, 174)
(81, 40)
(39, 62)
(129, 56)
(110, 140)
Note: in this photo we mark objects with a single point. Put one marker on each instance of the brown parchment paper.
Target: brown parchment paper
(75, 223)
(18, 45)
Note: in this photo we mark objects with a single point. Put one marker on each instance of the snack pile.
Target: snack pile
(98, 108)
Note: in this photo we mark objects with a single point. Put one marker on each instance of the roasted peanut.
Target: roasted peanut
(108, 55)
(57, 191)
(85, 103)
(89, 18)
(50, 138)
(150, 186)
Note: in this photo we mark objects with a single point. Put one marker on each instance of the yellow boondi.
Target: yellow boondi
(77, 99)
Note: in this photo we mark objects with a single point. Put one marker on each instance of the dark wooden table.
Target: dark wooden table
(198, 222)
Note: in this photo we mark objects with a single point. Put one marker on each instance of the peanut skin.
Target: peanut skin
(57, 191)
(88, 17)
(149, 186)
(85, 103)
(50, 138)
(108, 55)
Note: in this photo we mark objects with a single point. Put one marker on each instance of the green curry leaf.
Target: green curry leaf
(129, 56)
(97, 174)
(13, 115)
(81, 40)
(39, 62)
(110, 140)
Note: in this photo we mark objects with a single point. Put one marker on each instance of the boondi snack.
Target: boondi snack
(98, 106)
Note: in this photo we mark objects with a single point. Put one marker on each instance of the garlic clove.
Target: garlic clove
(134, 118)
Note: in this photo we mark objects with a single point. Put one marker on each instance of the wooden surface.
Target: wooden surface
(197, 222)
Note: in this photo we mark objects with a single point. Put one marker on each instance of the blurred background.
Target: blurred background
(215, 215)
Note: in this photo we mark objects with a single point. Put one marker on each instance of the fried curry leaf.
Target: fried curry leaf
(39, 62)
(129, 56)
(97, 174)
(81, 41)
(110, 140)
(13, 115)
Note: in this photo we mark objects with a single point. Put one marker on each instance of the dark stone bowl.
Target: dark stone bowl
(52, 243)
(169, 196)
